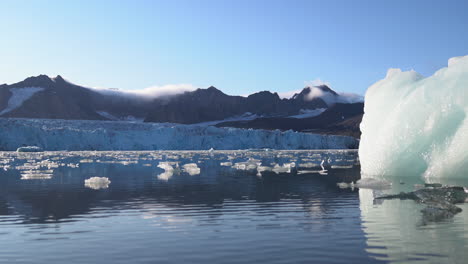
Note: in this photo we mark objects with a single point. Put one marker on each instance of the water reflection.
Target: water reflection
(397, 232)
(203, 213)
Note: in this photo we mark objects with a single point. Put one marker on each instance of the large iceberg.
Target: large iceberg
(416, 126)
(51, 134)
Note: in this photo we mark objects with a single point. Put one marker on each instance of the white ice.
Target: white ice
(416, 126)
(116, 135)
(191, 169)
(97, 183)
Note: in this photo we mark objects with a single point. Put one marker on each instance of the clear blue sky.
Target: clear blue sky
(237, 46)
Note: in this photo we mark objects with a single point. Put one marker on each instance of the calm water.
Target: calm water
(240, 207)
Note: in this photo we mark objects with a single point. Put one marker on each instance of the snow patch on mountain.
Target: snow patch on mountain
(306, 113)
(19, 96)
(244, 117)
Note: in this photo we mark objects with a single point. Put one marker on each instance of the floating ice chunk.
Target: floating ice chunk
(342, 166)
(264, 168)
(308, 171)
(286, 168)
(344, 185)
(227, 164)
(29, 149)
(168, 171)
(308, 165)
(36, 175)
(97, 183)
(417, 126)
(250, 164)
(370, 183)
(191, 168)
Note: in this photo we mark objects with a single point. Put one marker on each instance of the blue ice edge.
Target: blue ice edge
(76, 135)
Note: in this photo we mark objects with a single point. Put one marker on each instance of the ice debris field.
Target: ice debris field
(74, 135)
(417, 126)
(168, 164)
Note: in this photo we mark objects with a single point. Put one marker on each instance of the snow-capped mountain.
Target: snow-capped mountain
(57, 98)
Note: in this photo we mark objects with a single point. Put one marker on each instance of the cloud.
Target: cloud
(312, 84)
(150, 92)
(146, 93)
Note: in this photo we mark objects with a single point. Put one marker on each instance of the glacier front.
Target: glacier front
(416, 126)
(52, 135)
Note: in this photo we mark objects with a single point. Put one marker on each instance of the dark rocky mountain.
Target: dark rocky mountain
(59, 99)
(56, 98)
(339, 119)
(211, 104)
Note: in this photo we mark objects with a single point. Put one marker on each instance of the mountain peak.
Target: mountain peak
(325, 88)
(59, 78)
(40, 80)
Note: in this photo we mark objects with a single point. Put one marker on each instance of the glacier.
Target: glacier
(417, 126)
(54, 135)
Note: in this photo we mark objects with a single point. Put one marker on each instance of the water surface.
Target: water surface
(242, 207)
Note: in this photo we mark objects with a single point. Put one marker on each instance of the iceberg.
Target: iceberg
(29, 149)
(191, 169)
(416, 126)
(55, 135)
(97, 183)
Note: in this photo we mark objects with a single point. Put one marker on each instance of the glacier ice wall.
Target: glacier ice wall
(417, 126)
(113, 135)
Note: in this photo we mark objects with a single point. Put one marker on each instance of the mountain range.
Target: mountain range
(314, 109)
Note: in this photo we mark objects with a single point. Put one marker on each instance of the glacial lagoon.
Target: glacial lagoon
(253, 206)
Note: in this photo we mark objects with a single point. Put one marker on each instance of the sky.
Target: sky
(237, 46)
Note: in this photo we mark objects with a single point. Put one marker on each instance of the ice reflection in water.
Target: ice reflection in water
(210, 207)
(398, 232)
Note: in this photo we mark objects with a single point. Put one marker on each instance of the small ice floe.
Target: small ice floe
(264, 168)
(29, 149)
(191, 169)
(308, 171)
(168, 170)
(342, 166)
(227, 164)
(308, 165)
(370, 183)
(323, 171)
(261, 169)
(286, 168)
(36, 175)
(97, 183)
(250, 164)
(344, 185)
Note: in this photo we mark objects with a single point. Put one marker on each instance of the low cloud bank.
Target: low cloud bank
(150, 92)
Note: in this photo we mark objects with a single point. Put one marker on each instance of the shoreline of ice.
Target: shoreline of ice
(82, 135)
